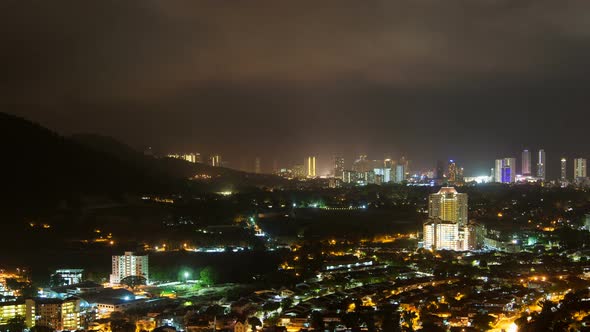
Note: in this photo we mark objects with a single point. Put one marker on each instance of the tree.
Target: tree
(16, 324)
(254, 322)
(408, 317)
(57, 280)
(133, 281)
(317, 320)
(208, 276)
(286, 303)
(483, 322)
(39, 328)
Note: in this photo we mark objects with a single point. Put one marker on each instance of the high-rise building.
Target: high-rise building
(215, 160)
(407, 163)
(526, 163)
(440, 169)
(257, 168)
(580, 170)
(19, 308)
(400, 173)
(505, 170)
(448, 218)
(311, 173)
(128, 265)
(541, 165)
(338, 166)
(448, 205)
(441, 235)
(58, 314)
(563, 174)
(299, 171)
(452, 172)
(384, 173)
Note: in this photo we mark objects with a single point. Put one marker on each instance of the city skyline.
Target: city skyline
(369, 80)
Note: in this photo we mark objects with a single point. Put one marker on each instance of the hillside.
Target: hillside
(42, 170)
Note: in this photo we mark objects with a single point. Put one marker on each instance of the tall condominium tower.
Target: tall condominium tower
(128, 265)
(310, 163)
(446, 227)
(580, 168)
(257, 168)
(541, 165)
(526, 162)
(505, 170)
(448, 205)
(215, 160)
(338, 166)
(563, 164)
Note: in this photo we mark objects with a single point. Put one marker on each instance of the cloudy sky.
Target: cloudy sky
(470, 80)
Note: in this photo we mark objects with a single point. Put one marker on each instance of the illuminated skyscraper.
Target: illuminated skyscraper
(526, 162)
(440, 169)
(452, 172)
(580, 168)
(311, 167)
(448, 205)
(257, 168)
(215, 160)
(541, 165)
(563, 176)
(505, 170)
(400, 173)
(338, 166)
(447, 224)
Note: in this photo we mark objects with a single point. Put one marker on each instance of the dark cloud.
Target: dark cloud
(467, 79)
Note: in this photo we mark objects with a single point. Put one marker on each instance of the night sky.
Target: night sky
(471, 80)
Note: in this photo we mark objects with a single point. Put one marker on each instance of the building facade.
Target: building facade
(22, 308)
(311, 170)
(70, 276)
(447, 226)
(441, 235)
(541, 165)
(505, 170)
(563, 170)
(128, 265)
(526, 163)
(60, 315)
(580, 170)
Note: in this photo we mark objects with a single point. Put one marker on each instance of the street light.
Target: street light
(186, 275)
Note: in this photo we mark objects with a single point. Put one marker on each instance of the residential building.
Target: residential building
(580, 170)
(19, 308)
(128, 265)
(311, 167)
(526, 163)
(58, 314)
(541, 165)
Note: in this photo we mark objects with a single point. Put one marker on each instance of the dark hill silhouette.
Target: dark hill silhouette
(221, 177)
(41, 169)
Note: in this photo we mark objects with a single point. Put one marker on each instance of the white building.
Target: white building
(447, 227)
(541, 165)
(505, 170)
(128, 265)
(441, 235)
(580, 168)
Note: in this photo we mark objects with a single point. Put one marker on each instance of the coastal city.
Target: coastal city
(432, 251)
(294, 166)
